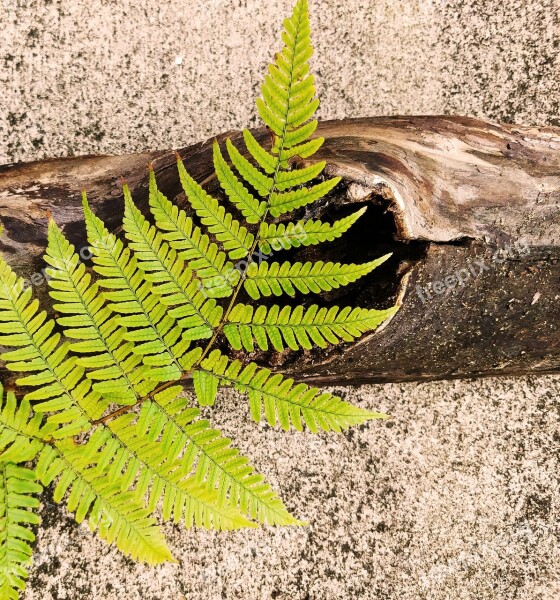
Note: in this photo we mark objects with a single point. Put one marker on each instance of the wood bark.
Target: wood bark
(470, 210)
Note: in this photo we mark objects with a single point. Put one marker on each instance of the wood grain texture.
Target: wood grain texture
(453, 198)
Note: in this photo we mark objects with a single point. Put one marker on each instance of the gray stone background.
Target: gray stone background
(458, 496)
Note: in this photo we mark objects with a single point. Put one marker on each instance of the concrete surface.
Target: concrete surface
(458, 497)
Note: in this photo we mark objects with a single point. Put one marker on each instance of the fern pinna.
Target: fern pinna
(102, 415)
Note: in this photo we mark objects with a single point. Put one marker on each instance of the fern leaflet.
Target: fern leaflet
(282, 236)
(299, 328)
(216, 274)
(175, 287)
(235, 238)
(90, 322)
(285, 278)
(251, 208)
(57, 376)
(285, 202)
(284, 402)
(92, 491)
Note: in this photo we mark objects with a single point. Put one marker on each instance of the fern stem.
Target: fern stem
(124, 409)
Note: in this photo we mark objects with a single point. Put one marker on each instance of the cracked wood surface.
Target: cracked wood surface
(455, 199)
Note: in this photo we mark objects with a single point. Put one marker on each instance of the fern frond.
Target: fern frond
(59, 379)
(285, 202)
(251, 208)
(217, 275)
(220, 466)
(227, 230)
(303, 233)
(93, 493)
(285, 402)
(136, 329)
(299, 327)
(158, 338)
(18, 511)
(173, 280)
(269, 279)
(109, 358)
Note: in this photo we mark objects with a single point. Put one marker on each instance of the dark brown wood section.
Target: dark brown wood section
(470, 210)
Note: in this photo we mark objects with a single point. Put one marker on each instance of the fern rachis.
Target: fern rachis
(101, 415)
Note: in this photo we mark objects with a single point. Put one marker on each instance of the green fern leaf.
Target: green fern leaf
(287, 89)
(57, 376)
(235, 238)
(285, 202)
(216, 274)
(251, 208)
(250, 174)
(146, 462)
(173, 281)
(303, 233)
(286, 278)
(285, 402)
(289, 179)
(18, 511)
(116, 515)
(220, 466)
(149, 474)
(268, 162)
(304, 150)
(299, 328)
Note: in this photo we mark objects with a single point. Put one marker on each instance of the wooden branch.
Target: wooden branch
(471, 211)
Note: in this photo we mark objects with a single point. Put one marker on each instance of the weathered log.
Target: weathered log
(470, 210)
